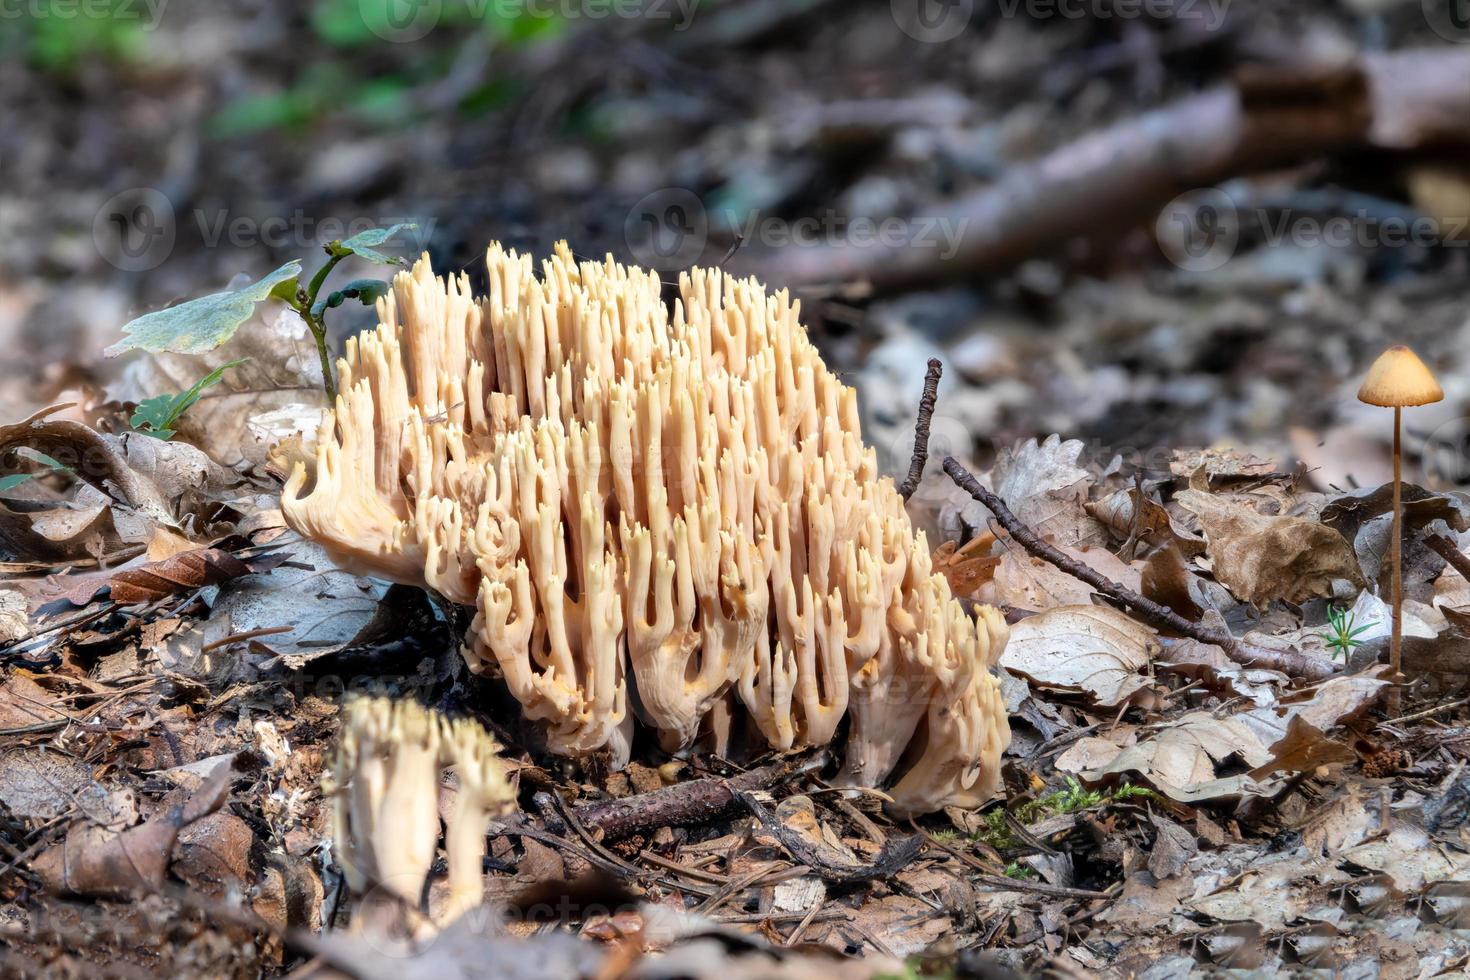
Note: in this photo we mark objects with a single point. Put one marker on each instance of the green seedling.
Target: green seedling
(158, 415)
(203, 324)
(1342, 631)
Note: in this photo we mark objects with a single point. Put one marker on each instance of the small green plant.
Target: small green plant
(1342, 631)
(1073, 797)
(203, 324)
(1018, 870)
(157, 416)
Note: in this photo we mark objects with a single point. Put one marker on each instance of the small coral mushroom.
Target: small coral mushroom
(384, 786)
(662, 513)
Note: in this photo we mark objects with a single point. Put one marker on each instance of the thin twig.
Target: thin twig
(1450, 552)
(921, 429)
(1156, 615)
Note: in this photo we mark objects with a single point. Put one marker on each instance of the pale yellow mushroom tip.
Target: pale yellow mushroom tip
(1399, 379)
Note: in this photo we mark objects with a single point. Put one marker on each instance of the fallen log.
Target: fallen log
(1124, 174)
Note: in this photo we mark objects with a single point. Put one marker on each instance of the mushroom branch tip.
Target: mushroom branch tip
(662, 514)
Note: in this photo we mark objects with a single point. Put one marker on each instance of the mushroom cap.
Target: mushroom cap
(1399, 379)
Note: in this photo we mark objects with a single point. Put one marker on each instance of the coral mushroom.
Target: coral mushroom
(667, 514)
(384, 785)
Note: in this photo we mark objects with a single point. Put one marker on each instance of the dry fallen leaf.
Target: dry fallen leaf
(97, 862)
(1219, 463)
(1043, 485)
(1095, 650)
(1261, 559)
(186, 571)
(1183, 758)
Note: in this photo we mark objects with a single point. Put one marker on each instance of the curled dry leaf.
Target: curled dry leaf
(1261, 559)
(1022, 581)
(1150, 525)
(1167, 580)
(121, 487)
(1226, 463)
(966, 570)
(1184, 758)
(1095, 650)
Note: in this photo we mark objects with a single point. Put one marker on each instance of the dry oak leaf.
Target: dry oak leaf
(1044, 486)
(1024, 582)
(1096, 650)
(184, 572)
(1261, 559)
(96, 862)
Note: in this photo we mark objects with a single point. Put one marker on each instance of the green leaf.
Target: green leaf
(35, 455)
(202, 324)
(156, 416)
(365, 244)
(366, 291)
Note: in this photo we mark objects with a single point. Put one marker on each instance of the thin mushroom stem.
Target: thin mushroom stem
(1396, 639)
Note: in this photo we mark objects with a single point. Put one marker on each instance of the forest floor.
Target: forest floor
(175, 658)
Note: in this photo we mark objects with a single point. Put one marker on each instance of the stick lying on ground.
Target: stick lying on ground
(1143, 608)
(693, 803)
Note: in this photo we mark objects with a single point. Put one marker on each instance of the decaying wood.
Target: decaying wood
(1127, 172)
(1144, 609)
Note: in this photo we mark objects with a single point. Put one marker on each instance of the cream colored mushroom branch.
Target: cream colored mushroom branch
(667, 515)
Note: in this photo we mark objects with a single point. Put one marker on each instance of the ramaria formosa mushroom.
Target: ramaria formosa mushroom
(659, 513)
(1398, 380)
(384, 785)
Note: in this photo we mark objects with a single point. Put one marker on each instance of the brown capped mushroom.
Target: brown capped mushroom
(1398, 380)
